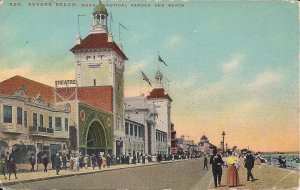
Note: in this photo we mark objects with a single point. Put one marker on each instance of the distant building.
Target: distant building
(185, 145)
(205, 146)
(174, 148)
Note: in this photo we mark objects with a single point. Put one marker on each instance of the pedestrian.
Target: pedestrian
(57, 163)
(45, 162)
(99, 161)
(104, 163)
(76, 163)
(249, 164)
(85, 161)
(3, 167)
(81, 160)
(232, 175)
(64, 161)
(108, 160)
(72, 160)
(205, 163)
(32, 162)
(216, 163)
(143, 159)
(93, 160)
(12, 168)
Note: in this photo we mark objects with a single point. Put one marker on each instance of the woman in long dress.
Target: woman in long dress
(232, 176)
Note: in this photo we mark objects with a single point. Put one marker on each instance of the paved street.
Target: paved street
(178, 175)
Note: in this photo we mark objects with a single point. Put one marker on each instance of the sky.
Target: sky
(233, 66)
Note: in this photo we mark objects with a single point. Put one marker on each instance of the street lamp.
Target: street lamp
(223, 134)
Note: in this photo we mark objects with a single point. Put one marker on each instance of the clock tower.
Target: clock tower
(100, 62)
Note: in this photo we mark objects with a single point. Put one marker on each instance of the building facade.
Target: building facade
(99, 63)
(30, 120)
(162, 102)
(139, 111)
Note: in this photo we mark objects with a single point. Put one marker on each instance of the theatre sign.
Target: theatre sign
(65, 83)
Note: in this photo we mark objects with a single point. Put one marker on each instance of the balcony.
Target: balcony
(40, 131)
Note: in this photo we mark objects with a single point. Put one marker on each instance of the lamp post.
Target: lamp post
(223, 134)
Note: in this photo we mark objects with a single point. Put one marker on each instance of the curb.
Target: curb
(79, 174)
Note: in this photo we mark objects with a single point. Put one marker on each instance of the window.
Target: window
(25, 118)
(66, 124)
(50, 122)
(7, 111)
(131, 129)
(135, 130)
(41, 120)
(57, 124)
(94, 82)
(126, 128)
(34, 119)
(19, 115)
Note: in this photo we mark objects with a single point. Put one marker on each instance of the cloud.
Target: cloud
(214, 89)
(174, 40)
(135, 67)
(189, 81)
(264, 79)
(233, 63)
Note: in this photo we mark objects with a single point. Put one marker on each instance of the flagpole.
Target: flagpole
(119, 33)
(140, 81)
(110, 19)
(158, 61)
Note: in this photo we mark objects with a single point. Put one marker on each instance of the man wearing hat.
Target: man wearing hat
(57, 163)
(216, 165)
(249, 164)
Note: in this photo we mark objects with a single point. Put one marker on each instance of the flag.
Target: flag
(123, 26)
(160, 59)
(145, 78)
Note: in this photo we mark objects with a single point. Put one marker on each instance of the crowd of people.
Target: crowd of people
(79, 161)
(232, 161)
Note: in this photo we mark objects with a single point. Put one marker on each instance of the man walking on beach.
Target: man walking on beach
(216, 163)
(249, 164)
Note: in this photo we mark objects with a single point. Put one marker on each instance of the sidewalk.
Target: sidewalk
(27, 176)
(267, 177)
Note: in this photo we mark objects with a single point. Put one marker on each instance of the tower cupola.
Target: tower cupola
(158, 79)
(100, 16)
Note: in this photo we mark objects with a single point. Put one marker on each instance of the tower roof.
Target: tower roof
(98, 41)
(100, 8)
(203, 137)
(158, 74)
(158, 93)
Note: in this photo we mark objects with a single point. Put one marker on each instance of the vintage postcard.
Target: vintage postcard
(149, 94)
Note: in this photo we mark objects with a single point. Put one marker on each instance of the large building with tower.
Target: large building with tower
(86, 114)
(162, 102)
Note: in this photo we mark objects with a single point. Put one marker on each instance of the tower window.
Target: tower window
(94, 82)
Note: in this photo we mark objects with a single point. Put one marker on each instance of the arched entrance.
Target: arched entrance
(96, 138)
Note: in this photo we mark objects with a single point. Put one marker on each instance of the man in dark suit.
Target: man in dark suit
(216, 165)
(249, 164)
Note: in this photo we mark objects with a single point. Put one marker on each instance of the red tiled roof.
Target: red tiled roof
(33, 88)
(158, 93)
(96, 96)
(100, 97)
(98, 41)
